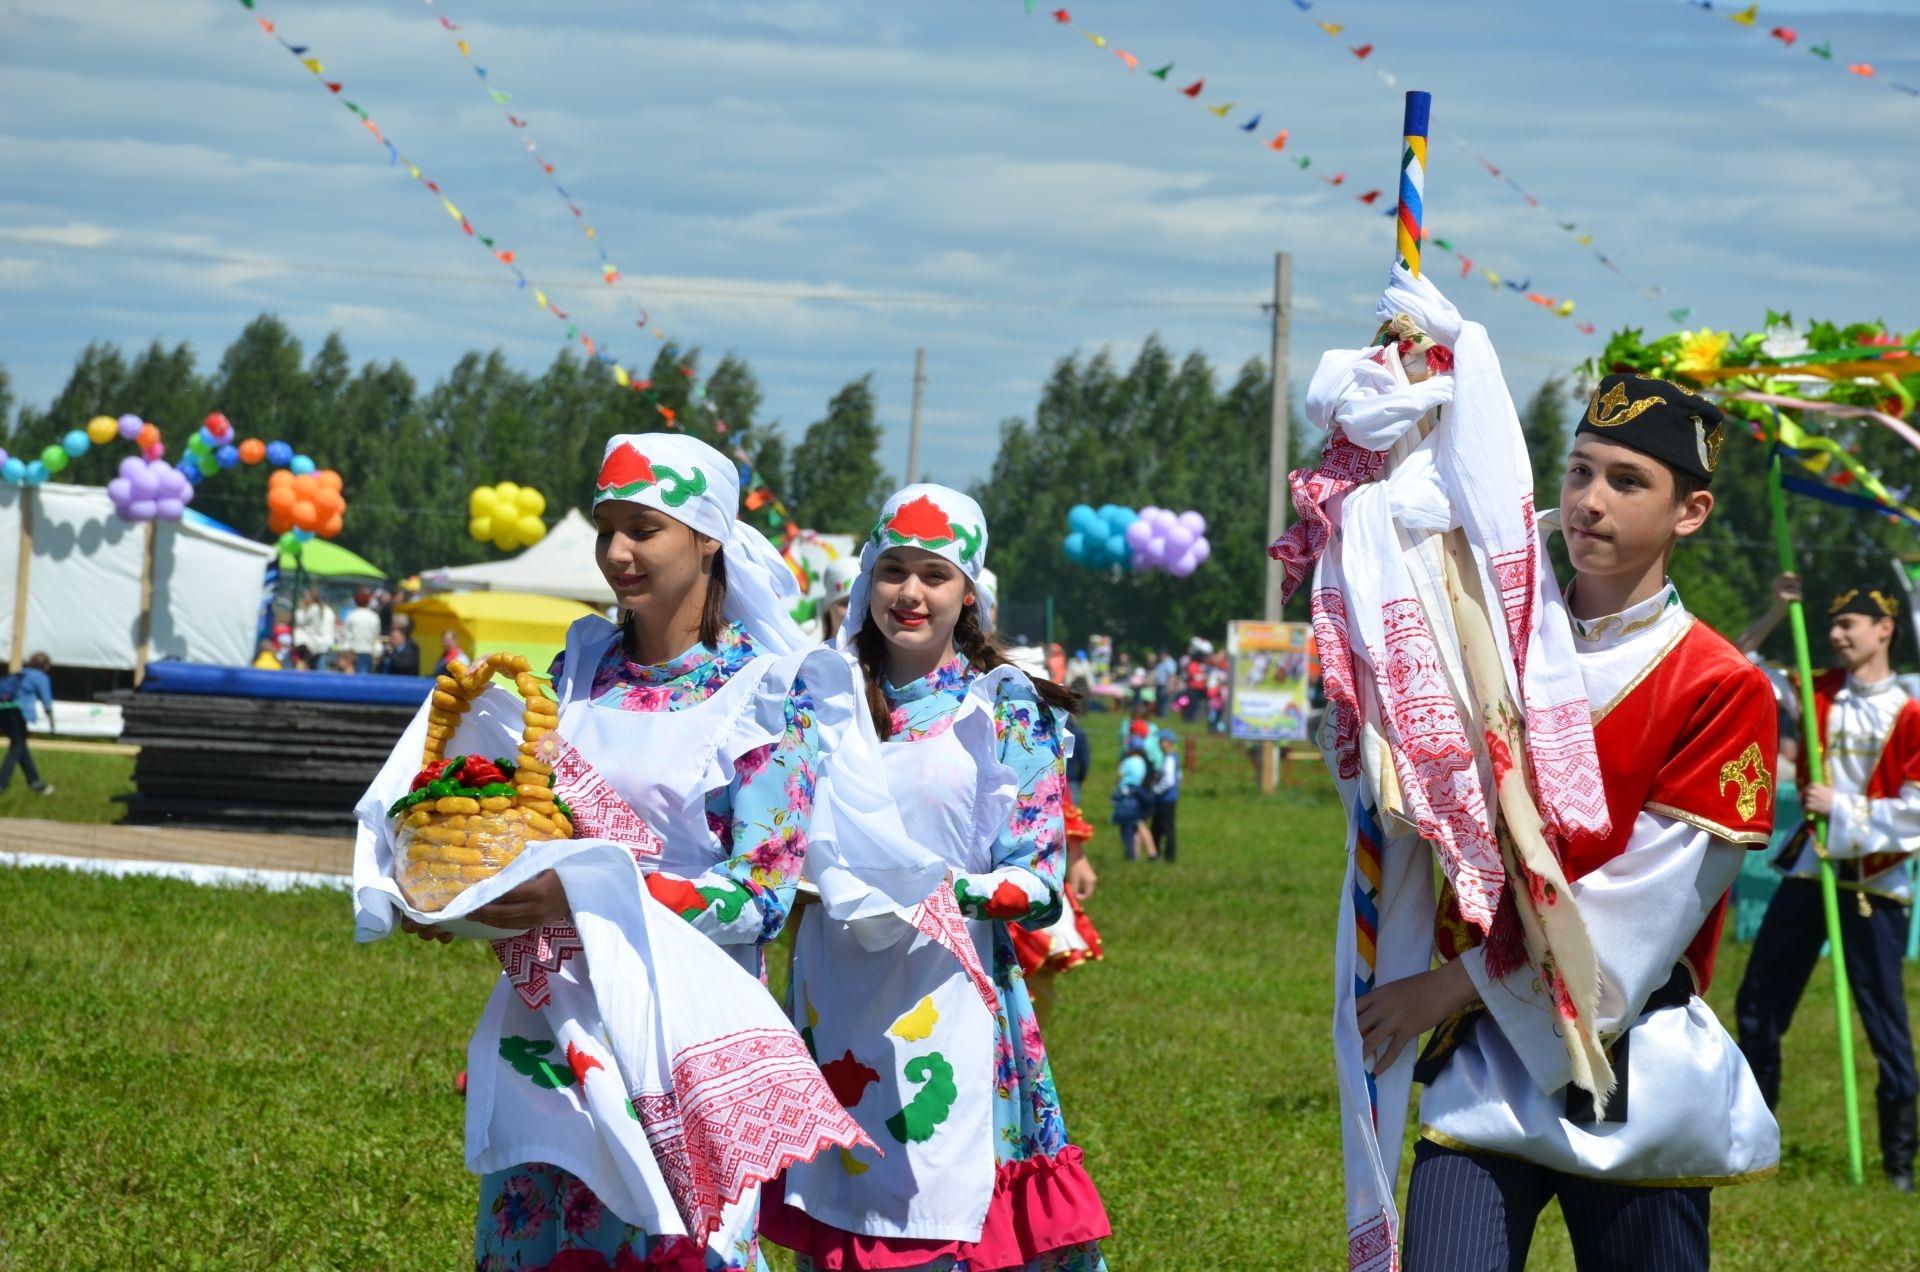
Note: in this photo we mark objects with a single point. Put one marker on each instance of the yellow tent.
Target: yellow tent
(494, 622)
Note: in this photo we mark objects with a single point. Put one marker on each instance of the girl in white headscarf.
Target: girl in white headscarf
(978, 1171)
(709, 715)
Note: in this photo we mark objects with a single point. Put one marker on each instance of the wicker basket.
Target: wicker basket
(467, 817)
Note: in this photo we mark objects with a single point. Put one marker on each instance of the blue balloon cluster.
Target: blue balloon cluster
(1097, 537)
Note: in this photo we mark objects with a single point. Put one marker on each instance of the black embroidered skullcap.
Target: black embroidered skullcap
(1657, 418)
(1870, 601)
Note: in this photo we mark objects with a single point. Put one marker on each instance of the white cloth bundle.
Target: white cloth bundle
(665, 1077)
(1402, 735)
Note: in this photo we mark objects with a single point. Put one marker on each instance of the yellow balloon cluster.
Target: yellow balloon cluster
(506, 515)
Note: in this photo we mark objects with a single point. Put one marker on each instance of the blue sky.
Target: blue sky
(745, 162)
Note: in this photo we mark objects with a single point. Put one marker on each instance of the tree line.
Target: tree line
(1163, 430)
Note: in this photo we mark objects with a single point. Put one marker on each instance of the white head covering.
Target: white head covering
(837, 579)
(937, 518)
(699, 487)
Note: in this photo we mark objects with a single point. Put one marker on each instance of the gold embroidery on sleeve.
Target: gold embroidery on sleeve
(1751, 788)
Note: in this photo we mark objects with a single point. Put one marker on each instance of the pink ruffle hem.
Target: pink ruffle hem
(1040, 1204)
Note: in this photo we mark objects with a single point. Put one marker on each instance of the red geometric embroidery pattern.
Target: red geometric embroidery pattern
(939, 918)
(1342, 466)
(1566, 771)
(1514, 575)
(598, 810)
(1371, 1247)
(743, 1108)
(1336, 675)
(529, 958)
(1435, 760)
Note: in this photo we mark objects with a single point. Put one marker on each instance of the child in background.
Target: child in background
(1133, 804)
(1166, 794)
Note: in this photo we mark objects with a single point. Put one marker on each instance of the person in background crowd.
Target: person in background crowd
(1137, 730)
(360, 632)
(313, 627)
(1164, 672)
(836, 581)
(450, 651)
(1080, 763)
(264, 658)
(20, 696)
(403, 656)
(1870, 729)
(1133, 804)
(1195, 700)
(1219, 680)
(1057, 662)
(345, 663)
(383, 605)
(1166, 793)
(1080, 673)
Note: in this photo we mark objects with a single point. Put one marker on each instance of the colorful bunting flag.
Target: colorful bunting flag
(1280, 141)
(1746, 16)
(1333, 29)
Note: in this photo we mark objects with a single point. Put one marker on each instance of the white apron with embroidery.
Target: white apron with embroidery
(667, 1080)
(906, 1039)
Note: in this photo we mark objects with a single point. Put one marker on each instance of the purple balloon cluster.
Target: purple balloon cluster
(149, 490)
(1163, 539)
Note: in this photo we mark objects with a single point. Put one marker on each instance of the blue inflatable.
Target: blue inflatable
(292, 686)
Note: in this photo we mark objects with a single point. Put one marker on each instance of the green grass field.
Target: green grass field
(84, 784)
(203, 1078)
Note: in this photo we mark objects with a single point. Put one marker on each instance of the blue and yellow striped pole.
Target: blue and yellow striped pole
(1413, 181)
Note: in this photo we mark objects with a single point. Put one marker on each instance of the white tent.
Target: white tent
(559, 565)
(85, 570)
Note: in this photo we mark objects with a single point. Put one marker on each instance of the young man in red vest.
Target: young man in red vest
(1870, 735)
(1686, 736)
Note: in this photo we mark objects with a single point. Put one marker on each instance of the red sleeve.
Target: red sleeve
(1900, 762)
(1721, 776)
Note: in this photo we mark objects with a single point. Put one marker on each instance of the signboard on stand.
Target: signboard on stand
(1273, 666)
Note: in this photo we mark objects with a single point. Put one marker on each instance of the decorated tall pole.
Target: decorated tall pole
(1817, 774)
(1413, 182)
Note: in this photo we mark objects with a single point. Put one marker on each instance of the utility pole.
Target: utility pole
(1279, 497)
(913, 433)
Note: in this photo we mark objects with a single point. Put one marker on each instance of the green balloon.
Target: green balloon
(54, 457)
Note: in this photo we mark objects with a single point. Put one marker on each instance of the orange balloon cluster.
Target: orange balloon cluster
(310, 501)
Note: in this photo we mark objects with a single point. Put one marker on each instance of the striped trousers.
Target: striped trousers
(1475, 1212)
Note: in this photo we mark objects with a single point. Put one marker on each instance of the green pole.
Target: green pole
(1047, 644)
(1817, 771)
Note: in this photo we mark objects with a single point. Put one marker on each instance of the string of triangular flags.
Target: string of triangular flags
(1381, 199)
(1788, 38)
(609, 272)
(759, 494)
(1581, 234)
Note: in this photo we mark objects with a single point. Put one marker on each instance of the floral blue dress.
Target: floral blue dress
(537, 1216)
(1024, 886)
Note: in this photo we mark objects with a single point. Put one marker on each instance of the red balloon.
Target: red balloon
(218, 426)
